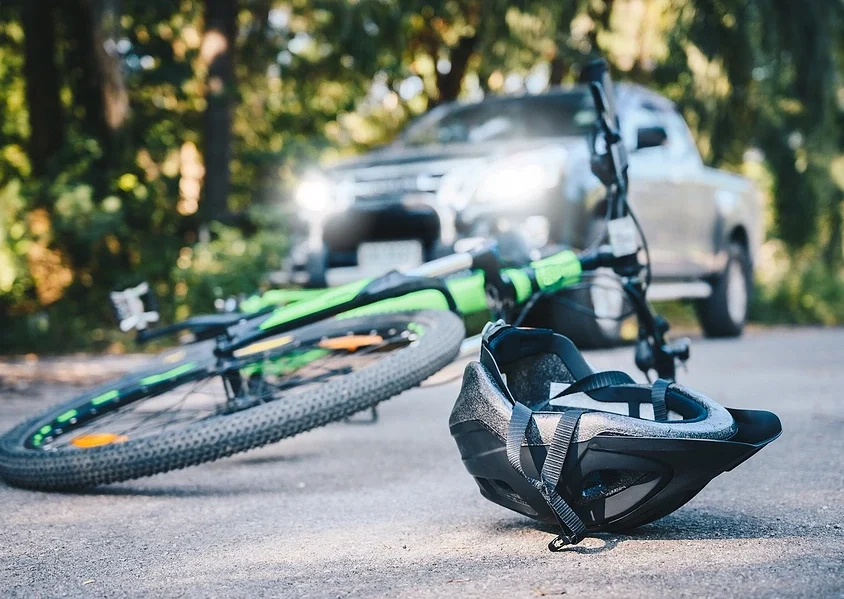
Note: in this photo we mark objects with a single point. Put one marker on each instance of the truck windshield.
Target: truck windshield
(559, 114)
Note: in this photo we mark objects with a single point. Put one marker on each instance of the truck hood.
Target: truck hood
(393, 172)
(399, 156)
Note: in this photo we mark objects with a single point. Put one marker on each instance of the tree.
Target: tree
(110, 196)
(95, 72)
(46, 122)
(217, 54)
(782, 68)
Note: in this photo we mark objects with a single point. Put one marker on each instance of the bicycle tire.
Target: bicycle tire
(225, 435)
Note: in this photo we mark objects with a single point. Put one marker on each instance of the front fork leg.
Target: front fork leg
(653, 351)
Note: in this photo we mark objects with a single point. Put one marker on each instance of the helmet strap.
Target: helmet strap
(659, 390)
(572, 526)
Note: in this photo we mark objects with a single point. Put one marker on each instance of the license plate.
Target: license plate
(379, 257)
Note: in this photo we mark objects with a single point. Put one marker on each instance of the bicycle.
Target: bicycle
(279, 371)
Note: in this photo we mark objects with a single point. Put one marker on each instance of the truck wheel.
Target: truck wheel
(724, 313)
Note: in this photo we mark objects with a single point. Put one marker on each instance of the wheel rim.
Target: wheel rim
(190, 394)
(736, 293)
(607, 302)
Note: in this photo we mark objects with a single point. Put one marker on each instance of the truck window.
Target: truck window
(638, 116)
(510, 119)
(680, 141)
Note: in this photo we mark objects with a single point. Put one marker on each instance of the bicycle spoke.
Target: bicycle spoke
(243, 385)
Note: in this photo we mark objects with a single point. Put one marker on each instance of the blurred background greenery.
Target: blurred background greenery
(156, 139)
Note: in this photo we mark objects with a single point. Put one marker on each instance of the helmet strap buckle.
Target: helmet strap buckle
(561, 541)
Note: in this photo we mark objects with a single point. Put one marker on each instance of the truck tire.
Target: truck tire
(724, 313)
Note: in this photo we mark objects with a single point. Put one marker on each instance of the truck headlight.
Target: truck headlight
(516, 183)
(315, 194)
(522, 177)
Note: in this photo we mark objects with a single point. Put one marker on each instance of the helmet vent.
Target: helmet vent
(600, 484)
(500, 488)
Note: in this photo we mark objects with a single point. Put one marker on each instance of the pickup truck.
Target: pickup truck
(516, 168)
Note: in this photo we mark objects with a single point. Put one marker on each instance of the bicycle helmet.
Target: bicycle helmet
(546, 436)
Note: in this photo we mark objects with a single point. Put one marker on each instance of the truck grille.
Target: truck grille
(394, 188)
(343, 232)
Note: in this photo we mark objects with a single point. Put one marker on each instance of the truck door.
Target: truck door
(693, 197)
(651, 192)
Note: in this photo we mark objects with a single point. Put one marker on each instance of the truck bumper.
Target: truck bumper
(333, 251)
(328, 252)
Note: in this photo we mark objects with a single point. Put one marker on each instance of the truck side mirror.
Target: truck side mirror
(650, 137)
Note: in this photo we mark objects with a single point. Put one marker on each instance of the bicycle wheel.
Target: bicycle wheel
(194, 408)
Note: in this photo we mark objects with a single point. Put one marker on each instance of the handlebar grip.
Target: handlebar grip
(557, 270)
(597, 71)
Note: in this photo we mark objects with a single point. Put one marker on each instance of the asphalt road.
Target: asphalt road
(388, 511)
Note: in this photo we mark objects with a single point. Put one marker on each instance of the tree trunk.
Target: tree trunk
(99, 88)
(834, 251)
(600, 15)
(562, 61)
(113, 88)
(42, 83)
(217, 53)
(559, 69)
(449, 84)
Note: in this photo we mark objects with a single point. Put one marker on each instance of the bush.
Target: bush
(230, 264)
(186, 279)
(797, 290)
(89, 227)
(811, 294)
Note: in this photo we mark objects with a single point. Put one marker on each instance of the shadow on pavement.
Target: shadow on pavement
(687, 524)
(690, 523)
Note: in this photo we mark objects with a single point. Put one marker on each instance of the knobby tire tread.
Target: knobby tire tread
(219, 437)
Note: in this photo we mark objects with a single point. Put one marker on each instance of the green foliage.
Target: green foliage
(810, 293)
(767, 75)
(12, 265)
(229, 265)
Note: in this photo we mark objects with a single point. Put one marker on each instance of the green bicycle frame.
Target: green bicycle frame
(464, 294)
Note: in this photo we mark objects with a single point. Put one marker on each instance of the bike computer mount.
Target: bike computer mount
(135, 307)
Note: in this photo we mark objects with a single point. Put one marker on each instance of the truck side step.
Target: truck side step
(679, 290)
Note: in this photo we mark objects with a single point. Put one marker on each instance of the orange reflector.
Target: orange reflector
(262, 346)
(97, 439)
(350, 342)
(174, 356)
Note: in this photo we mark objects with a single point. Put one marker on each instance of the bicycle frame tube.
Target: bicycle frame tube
(397, 292)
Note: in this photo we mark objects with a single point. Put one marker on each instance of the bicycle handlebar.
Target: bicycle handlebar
(611, 165)
(597, 73)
